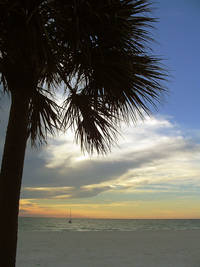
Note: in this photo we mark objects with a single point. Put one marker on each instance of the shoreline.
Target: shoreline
(166, 248)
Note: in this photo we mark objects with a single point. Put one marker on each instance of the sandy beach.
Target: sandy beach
(106, 249)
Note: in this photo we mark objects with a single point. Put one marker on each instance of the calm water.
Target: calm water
(61, 224)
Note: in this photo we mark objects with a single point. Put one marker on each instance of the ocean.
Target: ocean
(79, 225)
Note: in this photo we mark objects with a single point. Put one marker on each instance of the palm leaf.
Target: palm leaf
(94, 124)
(99, 49)
(44, 117)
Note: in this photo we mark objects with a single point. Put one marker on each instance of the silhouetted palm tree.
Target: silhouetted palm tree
(98, 51)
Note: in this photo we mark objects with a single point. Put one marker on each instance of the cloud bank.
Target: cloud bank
(154, 156)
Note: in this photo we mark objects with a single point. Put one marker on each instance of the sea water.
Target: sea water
(61, 224)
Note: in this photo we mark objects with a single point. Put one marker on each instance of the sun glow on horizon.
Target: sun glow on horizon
(117, 210)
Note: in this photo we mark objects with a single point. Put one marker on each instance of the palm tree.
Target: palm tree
(98, 51)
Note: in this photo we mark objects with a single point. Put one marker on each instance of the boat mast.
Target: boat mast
(70, 217)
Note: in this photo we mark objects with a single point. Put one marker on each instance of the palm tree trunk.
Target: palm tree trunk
(11, 177)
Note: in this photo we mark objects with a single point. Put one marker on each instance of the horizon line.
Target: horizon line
(106, 218)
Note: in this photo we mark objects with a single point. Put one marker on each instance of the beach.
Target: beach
(109, 249)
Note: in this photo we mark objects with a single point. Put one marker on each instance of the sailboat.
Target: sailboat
(70, 217)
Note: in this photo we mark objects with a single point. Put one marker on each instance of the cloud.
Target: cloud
(154, 156)
(45, 192)
(62, 192)
(153, 160)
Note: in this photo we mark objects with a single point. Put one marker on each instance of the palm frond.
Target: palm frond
(112, 58)
(44, 117)
(99, 49)
(92, 121)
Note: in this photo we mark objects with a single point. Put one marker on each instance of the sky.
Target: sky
(154, 171)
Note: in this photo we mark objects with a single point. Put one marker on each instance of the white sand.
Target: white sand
(109, 249)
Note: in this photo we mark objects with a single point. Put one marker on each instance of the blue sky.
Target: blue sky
(154, 172)
(179, 40)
